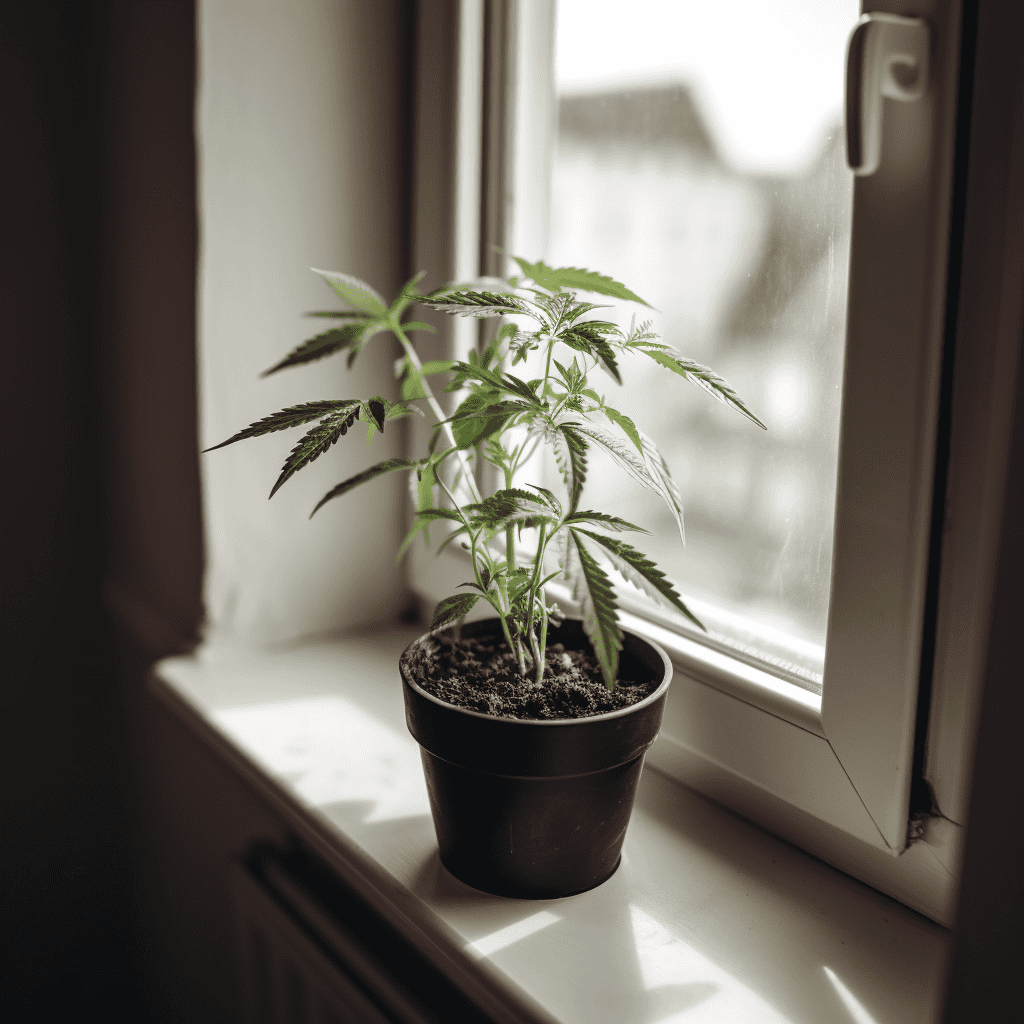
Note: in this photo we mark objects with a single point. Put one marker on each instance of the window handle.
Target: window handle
(886, 56)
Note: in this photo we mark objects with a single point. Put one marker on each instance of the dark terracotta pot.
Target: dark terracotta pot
(536, 809)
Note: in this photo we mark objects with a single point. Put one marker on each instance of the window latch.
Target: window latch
(886, 56)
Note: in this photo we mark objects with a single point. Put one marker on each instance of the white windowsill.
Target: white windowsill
(708, 918)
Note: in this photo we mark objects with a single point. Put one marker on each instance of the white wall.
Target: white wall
(300, 133)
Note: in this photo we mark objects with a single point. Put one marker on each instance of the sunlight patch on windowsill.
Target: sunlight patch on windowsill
(858, 1015)
(490, 944)
(692, 987)
(329, 750)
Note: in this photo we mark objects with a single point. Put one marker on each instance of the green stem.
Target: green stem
(538, 566)
(474, 549)
(508, 640)
(436, 409)
(510, 535)
(538, 660)
(543, 641)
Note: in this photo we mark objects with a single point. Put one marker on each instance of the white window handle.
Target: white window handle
(887, 55)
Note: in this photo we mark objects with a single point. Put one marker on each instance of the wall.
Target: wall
(302, 113)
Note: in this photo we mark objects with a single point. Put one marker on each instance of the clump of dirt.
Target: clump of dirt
(481, 674)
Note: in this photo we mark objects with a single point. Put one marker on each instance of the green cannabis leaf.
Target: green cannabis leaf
(557, 278)
(352, 336)
(387, 466)
(293, 416)
(593, 589)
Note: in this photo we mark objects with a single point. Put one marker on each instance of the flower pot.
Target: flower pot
(535, 809)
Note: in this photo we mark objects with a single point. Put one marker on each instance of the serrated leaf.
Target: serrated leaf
(451, 609)
(599, 609)
(479, 416)
(338, 314)
(638, 570)
(316, 441)
(501, 382)
(557, 278)
(556, 505)
(508, 506)
(651, 471)
(293, 416)
(470, 302)
(663, 482)
(620, 451)
(702, 376)
(431, 515)
(604, 520)
(569, 450)
(387, 466)
(351, 335)
(587, 337)
(356, 293)
(626, 425)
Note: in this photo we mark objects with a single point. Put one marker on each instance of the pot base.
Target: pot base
(530, 838)
(528, 894)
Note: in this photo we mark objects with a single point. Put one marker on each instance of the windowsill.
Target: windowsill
(707, 913)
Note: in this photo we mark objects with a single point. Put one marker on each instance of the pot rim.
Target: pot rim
(606, 716)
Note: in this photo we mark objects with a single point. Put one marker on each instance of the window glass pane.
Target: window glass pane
(699, 160)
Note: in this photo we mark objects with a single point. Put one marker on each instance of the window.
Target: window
(819, 750)
(730, 211)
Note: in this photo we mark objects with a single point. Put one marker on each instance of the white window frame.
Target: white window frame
(832, 774)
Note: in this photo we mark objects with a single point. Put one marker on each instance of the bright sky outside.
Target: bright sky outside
(767, 74)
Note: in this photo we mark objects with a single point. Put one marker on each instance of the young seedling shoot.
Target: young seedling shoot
(501, 420)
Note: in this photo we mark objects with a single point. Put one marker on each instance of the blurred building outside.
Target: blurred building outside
(748, 275)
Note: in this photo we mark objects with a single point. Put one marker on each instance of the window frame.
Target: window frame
(832, 773)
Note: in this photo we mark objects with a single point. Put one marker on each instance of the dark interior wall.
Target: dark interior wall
(988, 939)
(64, 859)
(153, 515)
(101, 494)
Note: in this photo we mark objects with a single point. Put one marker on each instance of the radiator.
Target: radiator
(297, 965)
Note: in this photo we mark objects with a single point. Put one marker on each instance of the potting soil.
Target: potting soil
(481, 674)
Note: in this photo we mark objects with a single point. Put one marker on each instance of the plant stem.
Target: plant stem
(510, 533)
(538, 660)
(543, 640)
(538, 567)
(436, 409)
(511, 646)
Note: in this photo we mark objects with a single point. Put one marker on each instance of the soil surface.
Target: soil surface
(481, 674)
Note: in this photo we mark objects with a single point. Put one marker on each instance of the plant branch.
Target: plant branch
(435, 408)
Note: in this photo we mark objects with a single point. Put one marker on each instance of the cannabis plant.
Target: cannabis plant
(500, 420)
